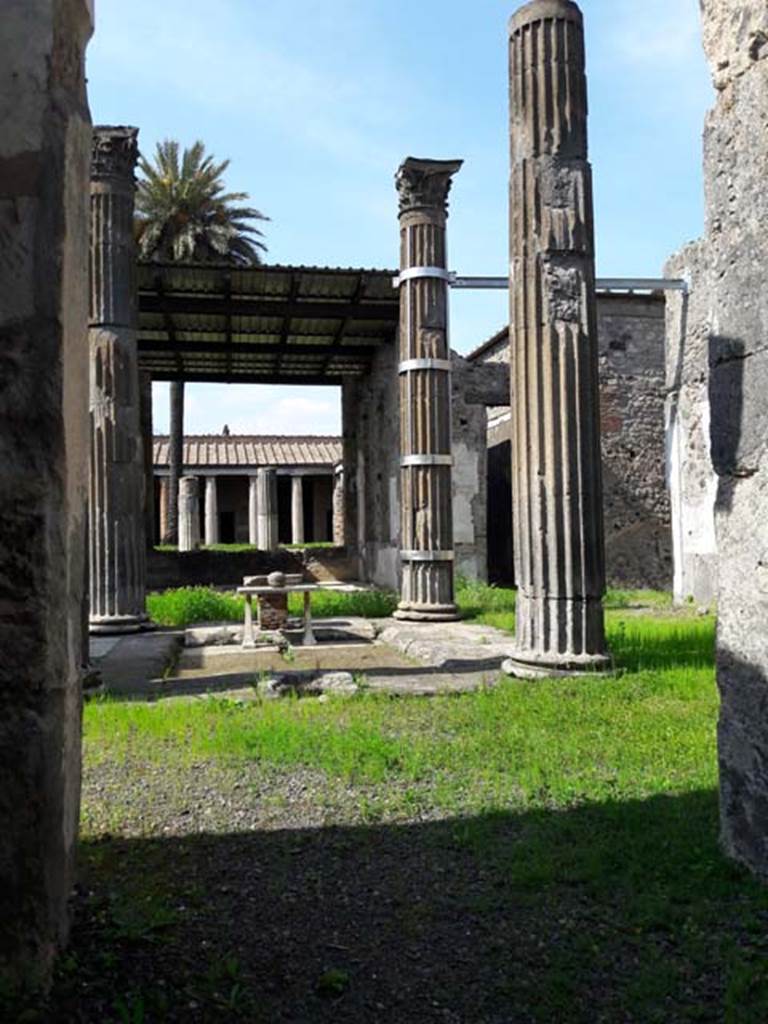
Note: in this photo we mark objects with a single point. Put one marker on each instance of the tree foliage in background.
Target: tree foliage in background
(183, 213)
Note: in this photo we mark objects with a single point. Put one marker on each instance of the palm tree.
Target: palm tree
(184, 214)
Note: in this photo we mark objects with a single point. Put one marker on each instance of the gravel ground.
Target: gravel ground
(239, 894)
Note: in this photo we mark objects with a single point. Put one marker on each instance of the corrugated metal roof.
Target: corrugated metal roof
(248, 452)
(268, 324)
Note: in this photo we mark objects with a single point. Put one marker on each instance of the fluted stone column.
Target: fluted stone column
(211, 510)
(425, 393)
(339, 511)
(297, 509)
(117, 485)
(266, 509)
(189, 513)
(556, 472)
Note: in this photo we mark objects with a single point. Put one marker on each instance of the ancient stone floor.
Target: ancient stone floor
(351, 655)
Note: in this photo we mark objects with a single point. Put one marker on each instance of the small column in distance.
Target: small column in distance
(211, 511)
(189, 513)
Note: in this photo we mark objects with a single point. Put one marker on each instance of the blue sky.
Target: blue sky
(317, 103)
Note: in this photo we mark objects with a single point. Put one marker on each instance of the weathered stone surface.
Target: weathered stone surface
(309, 684)
(44, 165)
(736, 247)
(556, 474)
(426, 494)
(735, 36)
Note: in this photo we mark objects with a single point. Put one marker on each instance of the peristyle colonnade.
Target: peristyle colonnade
(556, 445)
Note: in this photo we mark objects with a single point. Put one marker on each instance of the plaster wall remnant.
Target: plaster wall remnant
(736, 247)
(558, 534)
(189, 513)
(691, 477)
(116, 516)
(44, 170)
(427, 553)
(371, 447)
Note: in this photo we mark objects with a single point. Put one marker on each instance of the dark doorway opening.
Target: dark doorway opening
(501, 566)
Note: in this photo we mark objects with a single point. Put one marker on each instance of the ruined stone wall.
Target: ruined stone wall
(691, 477)
(735, 154)
(631, 343)
(372, 473)
(371, 428)
(45, 150)
(638, 536)
(470, 473)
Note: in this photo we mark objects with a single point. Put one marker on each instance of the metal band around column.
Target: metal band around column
(426, 460)
(443, 365)
(427, 556)
(416, 273)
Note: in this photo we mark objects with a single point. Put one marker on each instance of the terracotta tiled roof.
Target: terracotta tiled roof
(235, 450)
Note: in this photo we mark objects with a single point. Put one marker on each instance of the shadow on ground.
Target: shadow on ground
(622, 912)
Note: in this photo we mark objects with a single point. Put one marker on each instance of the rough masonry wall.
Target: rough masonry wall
(45, 148)
(470, 470)
(637, 515)
(371, 467)
(735, 155)
(691, 477)
(638, 536)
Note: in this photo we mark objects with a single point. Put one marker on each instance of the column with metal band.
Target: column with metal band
(427, 589)
(556, 468)
(116, 513)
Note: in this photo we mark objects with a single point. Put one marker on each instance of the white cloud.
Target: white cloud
(252, 409)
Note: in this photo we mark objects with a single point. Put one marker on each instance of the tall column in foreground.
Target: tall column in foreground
(116, 495)
(556, 471)
(425, 393)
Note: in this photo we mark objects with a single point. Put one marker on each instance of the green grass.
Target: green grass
(478, 602)
(185, 606)
(586, 811)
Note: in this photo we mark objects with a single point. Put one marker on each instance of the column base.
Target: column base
(427, 613)
(532, 665)
(106, 625)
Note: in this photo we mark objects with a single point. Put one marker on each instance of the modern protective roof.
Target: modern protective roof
(237, 450)
(265, 324)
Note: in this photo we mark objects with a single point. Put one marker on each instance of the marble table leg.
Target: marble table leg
(248, 638)
(309, 637)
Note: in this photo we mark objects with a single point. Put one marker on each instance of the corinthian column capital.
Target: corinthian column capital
(425, 184)
(114, 153)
